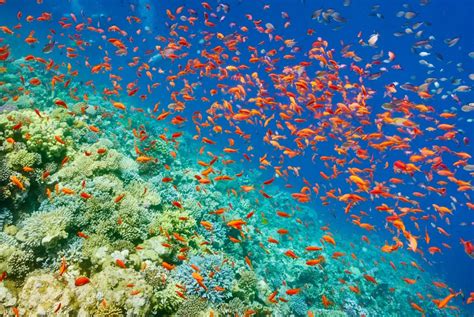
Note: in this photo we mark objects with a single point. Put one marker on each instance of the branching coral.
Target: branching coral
(217, 277)
(167, 300)
(298, 306)
(6, 217)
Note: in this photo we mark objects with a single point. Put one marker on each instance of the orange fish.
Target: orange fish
(120, 263)
(63, 267)
(81, 280)
(291, 254)
(17, 182)
(293, 291)
(236, 224)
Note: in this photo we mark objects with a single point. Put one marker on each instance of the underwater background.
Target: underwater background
(237, 158)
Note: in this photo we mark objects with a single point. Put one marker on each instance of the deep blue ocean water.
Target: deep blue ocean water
(440, 19)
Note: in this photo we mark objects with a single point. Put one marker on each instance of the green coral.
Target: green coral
(156, 277)
(176, 221)
(120, 245)
(245, 287)
(37, 133)
(143, 193)
(95, 164)
(21, 158)
(152, 249)
(16, 262)
(92, 245)
(45, 228)
(192, 307)
(19, 264)
(107, 310)
(173, 220)
(133, 225)
(235, 307)
(167, 300)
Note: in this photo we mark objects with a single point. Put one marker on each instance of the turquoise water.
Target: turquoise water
(235, 158)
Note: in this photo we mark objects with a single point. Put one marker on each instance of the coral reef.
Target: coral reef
(217, 277)
(298, 306)
(45, 228)
(193, 306)
(152, 235)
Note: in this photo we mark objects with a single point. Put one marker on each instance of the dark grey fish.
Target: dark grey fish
(338, 18)
(421, 43)
(48, 48)
(452, 42)
(316, 14)
(409, 87)
(224, 7)
(377, 15)
(375, 76)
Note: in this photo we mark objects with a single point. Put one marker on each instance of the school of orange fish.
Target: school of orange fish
(312, 105)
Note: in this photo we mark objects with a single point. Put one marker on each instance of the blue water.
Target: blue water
(441, 19)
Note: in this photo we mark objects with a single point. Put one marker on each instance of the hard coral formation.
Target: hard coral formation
(39, 134)
(193, 307)
(167, 300)
(42, 293)
(217, 277)
(45, 229)
(95, 164)
(245, 287)
(16, 262)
